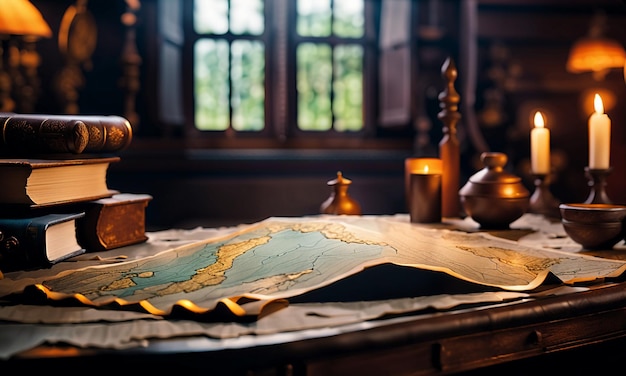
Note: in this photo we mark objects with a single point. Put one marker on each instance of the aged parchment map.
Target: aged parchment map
(284, 257)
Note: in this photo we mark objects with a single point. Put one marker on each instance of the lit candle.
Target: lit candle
(540, 146)
(418, 166)
(599, 136)
(425, 196)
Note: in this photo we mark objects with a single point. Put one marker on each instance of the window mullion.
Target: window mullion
(370, 66)
(279, 62)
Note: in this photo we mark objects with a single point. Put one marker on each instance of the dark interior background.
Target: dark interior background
(521, 46)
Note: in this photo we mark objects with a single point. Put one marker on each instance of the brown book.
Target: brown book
(28, 135)
(113, 222)
(44, 182)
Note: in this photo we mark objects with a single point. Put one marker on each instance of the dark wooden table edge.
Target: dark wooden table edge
(442, 343)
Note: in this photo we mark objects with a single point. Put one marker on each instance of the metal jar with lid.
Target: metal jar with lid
(493, 197)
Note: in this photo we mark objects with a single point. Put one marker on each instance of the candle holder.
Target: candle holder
(542, 201)
(597, 182)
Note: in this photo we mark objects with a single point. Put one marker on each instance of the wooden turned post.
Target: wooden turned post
(449, 149)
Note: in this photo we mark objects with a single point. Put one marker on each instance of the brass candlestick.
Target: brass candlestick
(597, 182)
(542, 201)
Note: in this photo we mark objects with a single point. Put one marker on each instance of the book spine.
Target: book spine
(45, 134)
(22, 244)
(113, 223)
(23, 241)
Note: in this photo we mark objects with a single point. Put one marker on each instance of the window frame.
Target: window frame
(281, 97)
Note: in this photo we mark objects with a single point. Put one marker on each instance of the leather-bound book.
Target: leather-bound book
(39, 241)
(29, 182)
(113, 222)
(33, 134)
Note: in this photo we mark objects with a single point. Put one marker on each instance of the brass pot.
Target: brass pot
(493, 197)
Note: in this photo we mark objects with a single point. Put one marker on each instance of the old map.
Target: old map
(284, 257)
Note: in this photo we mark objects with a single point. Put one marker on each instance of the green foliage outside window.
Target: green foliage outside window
(348, 88)
(248, 94)
(230, 76)
(314, 87)
(211, 90)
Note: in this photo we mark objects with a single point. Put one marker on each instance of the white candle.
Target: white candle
(540, 146)
(599, 136)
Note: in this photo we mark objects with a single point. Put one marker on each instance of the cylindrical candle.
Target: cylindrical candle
(418, 165)
(540, 146)
(599, 137)
(425, 197)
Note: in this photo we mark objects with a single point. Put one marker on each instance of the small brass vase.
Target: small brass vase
(493, 197)
(339, 201)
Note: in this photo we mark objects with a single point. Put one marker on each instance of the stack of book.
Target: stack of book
(55, 202)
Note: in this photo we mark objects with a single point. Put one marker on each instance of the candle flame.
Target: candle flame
(425, 169)
(539, 123)
(597, 104)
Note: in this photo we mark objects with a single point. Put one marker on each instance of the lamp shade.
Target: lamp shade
(595, 54)
(21, 17)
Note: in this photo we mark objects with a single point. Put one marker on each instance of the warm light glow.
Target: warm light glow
(597, 104)
(539, 123)
(609, 100)
(418, 166)
(509, 191)
(21, 17)
(595, 54)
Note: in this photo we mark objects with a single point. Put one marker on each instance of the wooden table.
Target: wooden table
(577, 333)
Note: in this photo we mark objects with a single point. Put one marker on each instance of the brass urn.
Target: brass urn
(339, 202)
(493, 197)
